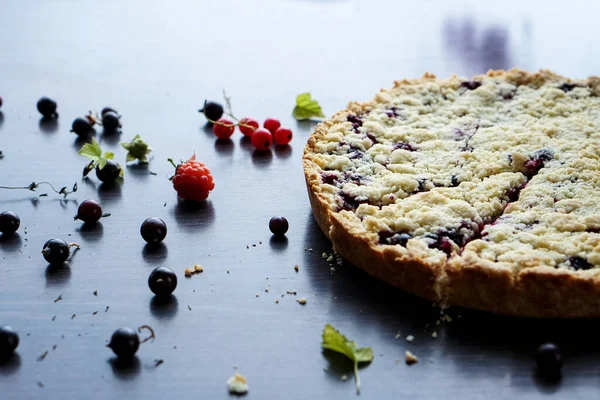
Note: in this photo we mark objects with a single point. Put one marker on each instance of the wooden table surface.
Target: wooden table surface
(156, 61)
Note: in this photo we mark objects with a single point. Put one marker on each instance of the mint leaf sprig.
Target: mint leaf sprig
(307, 108)
(93, 151)
(333, 340)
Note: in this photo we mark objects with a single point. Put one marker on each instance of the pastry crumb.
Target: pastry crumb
(410, 338)
(188, 272)
(301, 301)
(410, 358)
(398, 335)
(329, 259)
(237, 384)
(344, 377)
(296, 268)
(434, 334)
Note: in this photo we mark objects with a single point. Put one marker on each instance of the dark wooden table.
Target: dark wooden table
(156, 61)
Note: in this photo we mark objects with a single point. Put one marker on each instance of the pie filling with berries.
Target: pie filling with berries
(482, 192)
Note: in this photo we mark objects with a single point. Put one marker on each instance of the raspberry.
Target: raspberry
(283, 136)
(262, 139)
(272, 124)
(224, 128)
(247, 124)
(192, 180)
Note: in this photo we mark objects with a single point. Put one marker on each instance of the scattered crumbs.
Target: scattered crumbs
(154, 173)
(198, 268)
(42, 356)
(54, 318)
(296, 268)
(62, 336)
(438, 322)
(29, 334)
(96, 292)
(276, 301)
(301, 301)
(54, 347)
(253, 245)
(380, 354)
(59, 298)
(25, 230)
(331, 269)
(266, 290)
(164, 205)
(459, 316)
(158, 362)
(227, 271)
(324, 255)
(95, 312)
(237, 384)
(410, 358)
(344, 377)
(310, 250)
(259, 242)
(174, 347)
(256, 295)
(107, 307)
(282, 294)
(446, 318)
(189, 308)
(188, 272)
(267, 278)
(329, 259)
(434, 334)
(398, 335)
(247, 246)
(410, 338)
(40, 384)
(73, 316)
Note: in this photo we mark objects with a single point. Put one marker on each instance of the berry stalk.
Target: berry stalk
(33, 186)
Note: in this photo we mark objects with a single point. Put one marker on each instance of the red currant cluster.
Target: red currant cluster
(262, 138)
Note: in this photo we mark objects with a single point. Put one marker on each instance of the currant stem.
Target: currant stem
(152, 335)
(236, 124)
(228, 106)
(172, 162)
(33, 186)
(356, 378)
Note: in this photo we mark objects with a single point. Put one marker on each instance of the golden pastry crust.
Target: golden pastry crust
(502, 266)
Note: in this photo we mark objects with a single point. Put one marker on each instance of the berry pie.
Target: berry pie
(481, 192)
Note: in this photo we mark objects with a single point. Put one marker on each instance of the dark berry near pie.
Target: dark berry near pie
(162, 281)
(454, 181)
(513, 192)
(56, 252)
(89, 211)
(47, 107)
(109, 173)
(81, 126)
(124, 343)
(537, 161)
(278, 226)
(355, 120)
(549, 360)
(9, 341)
(371, 137)
(350, 202)
(153, 230)
(470, 85)
(329, 178)
(9, 222)
(579, 263)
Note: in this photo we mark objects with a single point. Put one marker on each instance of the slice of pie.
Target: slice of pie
(482, 192)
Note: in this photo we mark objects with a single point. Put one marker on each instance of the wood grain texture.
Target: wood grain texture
(156, 62)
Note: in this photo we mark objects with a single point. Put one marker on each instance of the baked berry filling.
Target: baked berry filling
(579, 263)
(470, 85)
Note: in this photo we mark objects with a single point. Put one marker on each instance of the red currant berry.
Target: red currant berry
(283, 136)
(262, 139)
(271, 124)
(223, 128)
(248, 126)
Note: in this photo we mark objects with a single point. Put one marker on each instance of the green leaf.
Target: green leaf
(137, 149)
(109, 155)
(129, 157)
(102, 163)
(307, 108)
(333, 340)
(91, 150)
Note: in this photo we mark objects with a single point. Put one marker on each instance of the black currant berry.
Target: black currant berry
(107, 110)
(82, 127)
(212, 110)
(110, 121)
(9, 222)
(47, 107)
(89, 211)
(124, 343)
(109, 173)
(162, 281)
(153, 230)
(549, 360)
(279, 226)
(56, 251)
(9, 340)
